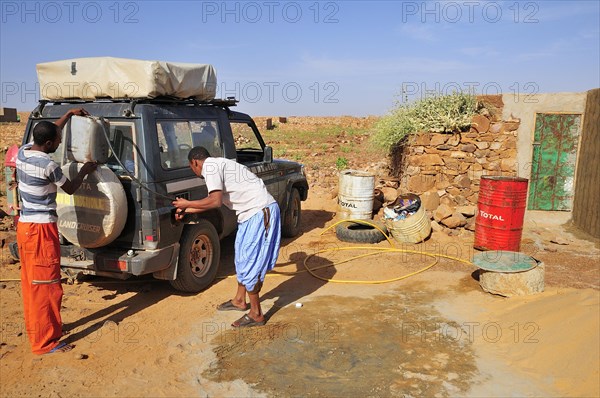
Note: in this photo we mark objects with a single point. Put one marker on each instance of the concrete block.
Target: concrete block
(8, 115)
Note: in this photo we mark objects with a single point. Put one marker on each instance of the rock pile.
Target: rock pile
(445, 169)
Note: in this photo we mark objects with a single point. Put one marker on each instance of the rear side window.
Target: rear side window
(121, 135)
(122, 140)
(177, 137)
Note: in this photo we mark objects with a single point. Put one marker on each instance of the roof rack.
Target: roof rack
(225, 103)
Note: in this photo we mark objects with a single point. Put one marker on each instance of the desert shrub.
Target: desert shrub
(341, 163)
(438, 114)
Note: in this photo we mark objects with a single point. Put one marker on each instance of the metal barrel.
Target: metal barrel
(500, 213)
(355, 197)
(414, 229)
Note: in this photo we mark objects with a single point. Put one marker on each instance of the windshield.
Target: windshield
(177, 137)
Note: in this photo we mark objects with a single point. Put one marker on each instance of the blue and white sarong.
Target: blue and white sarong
(256, 252)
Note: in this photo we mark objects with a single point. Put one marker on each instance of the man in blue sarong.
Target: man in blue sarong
(259, 225)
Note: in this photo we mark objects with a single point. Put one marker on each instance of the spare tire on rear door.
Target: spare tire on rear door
(96, 213)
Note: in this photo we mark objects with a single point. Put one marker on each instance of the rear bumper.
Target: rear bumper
(121, 263)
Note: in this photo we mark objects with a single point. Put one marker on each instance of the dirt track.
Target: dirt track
(434, 334)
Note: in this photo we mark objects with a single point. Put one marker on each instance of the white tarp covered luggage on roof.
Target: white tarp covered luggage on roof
(107, 77)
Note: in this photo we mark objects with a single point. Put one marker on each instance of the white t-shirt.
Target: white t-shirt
(243, 191)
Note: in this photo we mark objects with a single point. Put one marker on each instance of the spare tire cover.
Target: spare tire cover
(96, 213)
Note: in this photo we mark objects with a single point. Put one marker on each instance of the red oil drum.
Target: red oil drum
(10, 173)
(500, 212)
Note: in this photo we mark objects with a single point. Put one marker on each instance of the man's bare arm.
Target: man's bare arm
(212, 201)
(70, 186)
(72, 112)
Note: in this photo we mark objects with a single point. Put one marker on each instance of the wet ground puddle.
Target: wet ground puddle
(390, 345)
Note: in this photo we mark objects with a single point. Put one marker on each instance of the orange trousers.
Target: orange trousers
(39, 249)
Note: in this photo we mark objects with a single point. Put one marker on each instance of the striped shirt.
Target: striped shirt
(38, 177)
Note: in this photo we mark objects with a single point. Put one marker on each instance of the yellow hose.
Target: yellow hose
(377, 250)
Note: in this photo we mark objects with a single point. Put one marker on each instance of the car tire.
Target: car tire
(199, 256)
(360, 233)
(293, 216)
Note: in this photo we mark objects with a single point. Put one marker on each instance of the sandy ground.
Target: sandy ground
(434, 334)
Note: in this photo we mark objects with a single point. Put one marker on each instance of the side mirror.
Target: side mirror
(268, 155)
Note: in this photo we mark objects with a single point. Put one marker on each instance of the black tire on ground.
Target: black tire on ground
(199, 256)
(293, 216)
(360, 233)
(14, 251)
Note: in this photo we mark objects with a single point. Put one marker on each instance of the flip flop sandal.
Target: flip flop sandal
(61, 347)
(229, 306)
(246, 322)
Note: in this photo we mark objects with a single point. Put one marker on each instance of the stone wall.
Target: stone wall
(445, 169)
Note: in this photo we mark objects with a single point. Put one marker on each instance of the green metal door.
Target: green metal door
(554, 159)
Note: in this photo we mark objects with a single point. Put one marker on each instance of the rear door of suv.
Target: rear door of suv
(175, 130)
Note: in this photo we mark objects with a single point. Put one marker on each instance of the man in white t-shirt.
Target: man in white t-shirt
(259, 225)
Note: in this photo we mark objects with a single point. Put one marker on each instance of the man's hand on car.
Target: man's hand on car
(88, 167)
(180, 206)
(79, 112)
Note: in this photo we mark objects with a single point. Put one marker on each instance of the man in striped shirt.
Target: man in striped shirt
(37, 233)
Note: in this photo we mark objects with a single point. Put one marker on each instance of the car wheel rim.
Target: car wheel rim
(201, 254)
(296, 213)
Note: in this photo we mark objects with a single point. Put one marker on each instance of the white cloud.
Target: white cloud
(345, 67)
(422, 32)
(548, 11)
(210, 45)
(590, 34)
(557, 48)
(479, 51)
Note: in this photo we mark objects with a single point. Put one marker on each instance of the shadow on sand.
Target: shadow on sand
(301, 284)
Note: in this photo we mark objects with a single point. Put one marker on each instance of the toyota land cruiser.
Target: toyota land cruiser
(149, 141)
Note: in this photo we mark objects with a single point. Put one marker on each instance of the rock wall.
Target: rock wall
(445, 169)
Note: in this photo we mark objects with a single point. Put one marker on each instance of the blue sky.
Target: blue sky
(317, 58)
